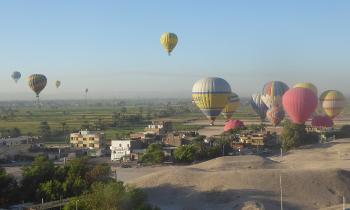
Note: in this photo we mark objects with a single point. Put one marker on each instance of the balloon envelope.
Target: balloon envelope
(322, 122)
(231, 106)
(211, 96)
(307, 85)
(58, 83)
(233, 124)
(16, 75)
(258, 105)
(275, 115)
(169, 41)
(299, 103)
(37, 82)
(332, 102)
(272, 93)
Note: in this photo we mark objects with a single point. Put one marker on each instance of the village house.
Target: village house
(125, 149)
(88, 139)
(159, 128)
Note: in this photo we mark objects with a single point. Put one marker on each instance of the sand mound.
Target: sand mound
(236, 162)
(314, 177)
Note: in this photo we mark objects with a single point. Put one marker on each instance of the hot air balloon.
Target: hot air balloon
(258, 106)
(86, 90)
(333, 102)
(211, 96)
(233, 124)
(231, 106)
(58, 83)
(275, 115)
(322, 122)
(299, 103)
(272, 93)
(37, 83)
(169, 41)
(16, 75)
(307, 85)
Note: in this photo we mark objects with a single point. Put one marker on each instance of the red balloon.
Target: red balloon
(299, 103)
(233, 124)
(322, 122)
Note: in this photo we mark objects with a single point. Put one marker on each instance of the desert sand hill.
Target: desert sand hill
(314, 177)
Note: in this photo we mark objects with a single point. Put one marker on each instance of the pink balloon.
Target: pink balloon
(233, 124)
(299, 103)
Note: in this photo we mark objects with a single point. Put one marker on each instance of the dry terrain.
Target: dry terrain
(314, 177)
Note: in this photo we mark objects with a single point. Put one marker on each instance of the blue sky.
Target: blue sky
(113, 47)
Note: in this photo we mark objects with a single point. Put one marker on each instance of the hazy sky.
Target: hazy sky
(113, 47)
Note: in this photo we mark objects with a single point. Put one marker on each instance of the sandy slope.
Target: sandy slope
(313, 178)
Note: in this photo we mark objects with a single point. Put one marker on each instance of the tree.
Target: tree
(99, 173)
(185, 153)
(75, 183)
(114, 195)
(293, 135)
(51, 190)
(41, 171)
(44, 130)
(153, 154)
(15, 132)
(8, 189)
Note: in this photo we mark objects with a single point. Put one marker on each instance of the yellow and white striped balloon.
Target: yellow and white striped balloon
(333, 102)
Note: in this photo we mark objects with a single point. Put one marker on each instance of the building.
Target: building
(258, 139)
(16, 141)
(159, 128)
(122, 150)
(88, 139)
(174, 139)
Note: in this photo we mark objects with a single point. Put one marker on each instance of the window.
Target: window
(91, 145)
(120, 145)
(84, 145)
(84, 139)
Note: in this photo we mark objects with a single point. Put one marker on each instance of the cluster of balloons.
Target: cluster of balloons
(213, 96)
(36, 82)
(300, 103)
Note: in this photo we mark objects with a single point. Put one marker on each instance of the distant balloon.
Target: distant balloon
(86, 91)
(211, 96)
(258, 106)
(16, 75)
(272, 93)
(169, 41)
(233, 124)
(58, 83)
(322, 122)
(231, 106)
(307, 85)
(333, 102)
(275, 115)
(299, 103)
(37, 83)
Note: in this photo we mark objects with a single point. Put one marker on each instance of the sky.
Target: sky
(113, 47)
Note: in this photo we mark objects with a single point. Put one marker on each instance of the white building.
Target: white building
(122, 149)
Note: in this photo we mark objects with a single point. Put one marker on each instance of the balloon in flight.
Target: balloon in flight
(333, 102)
(231, 106)
(169, 41)
(16, 75)
(307, 85)
(272, 93)
(58, 83)
(258, 106)
(37, 82)
(299, 103)
(211, 96)
(275, 115)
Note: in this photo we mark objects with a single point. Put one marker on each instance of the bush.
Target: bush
(295, 135)
(153, 155)
(114, 195)
(185, 153)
